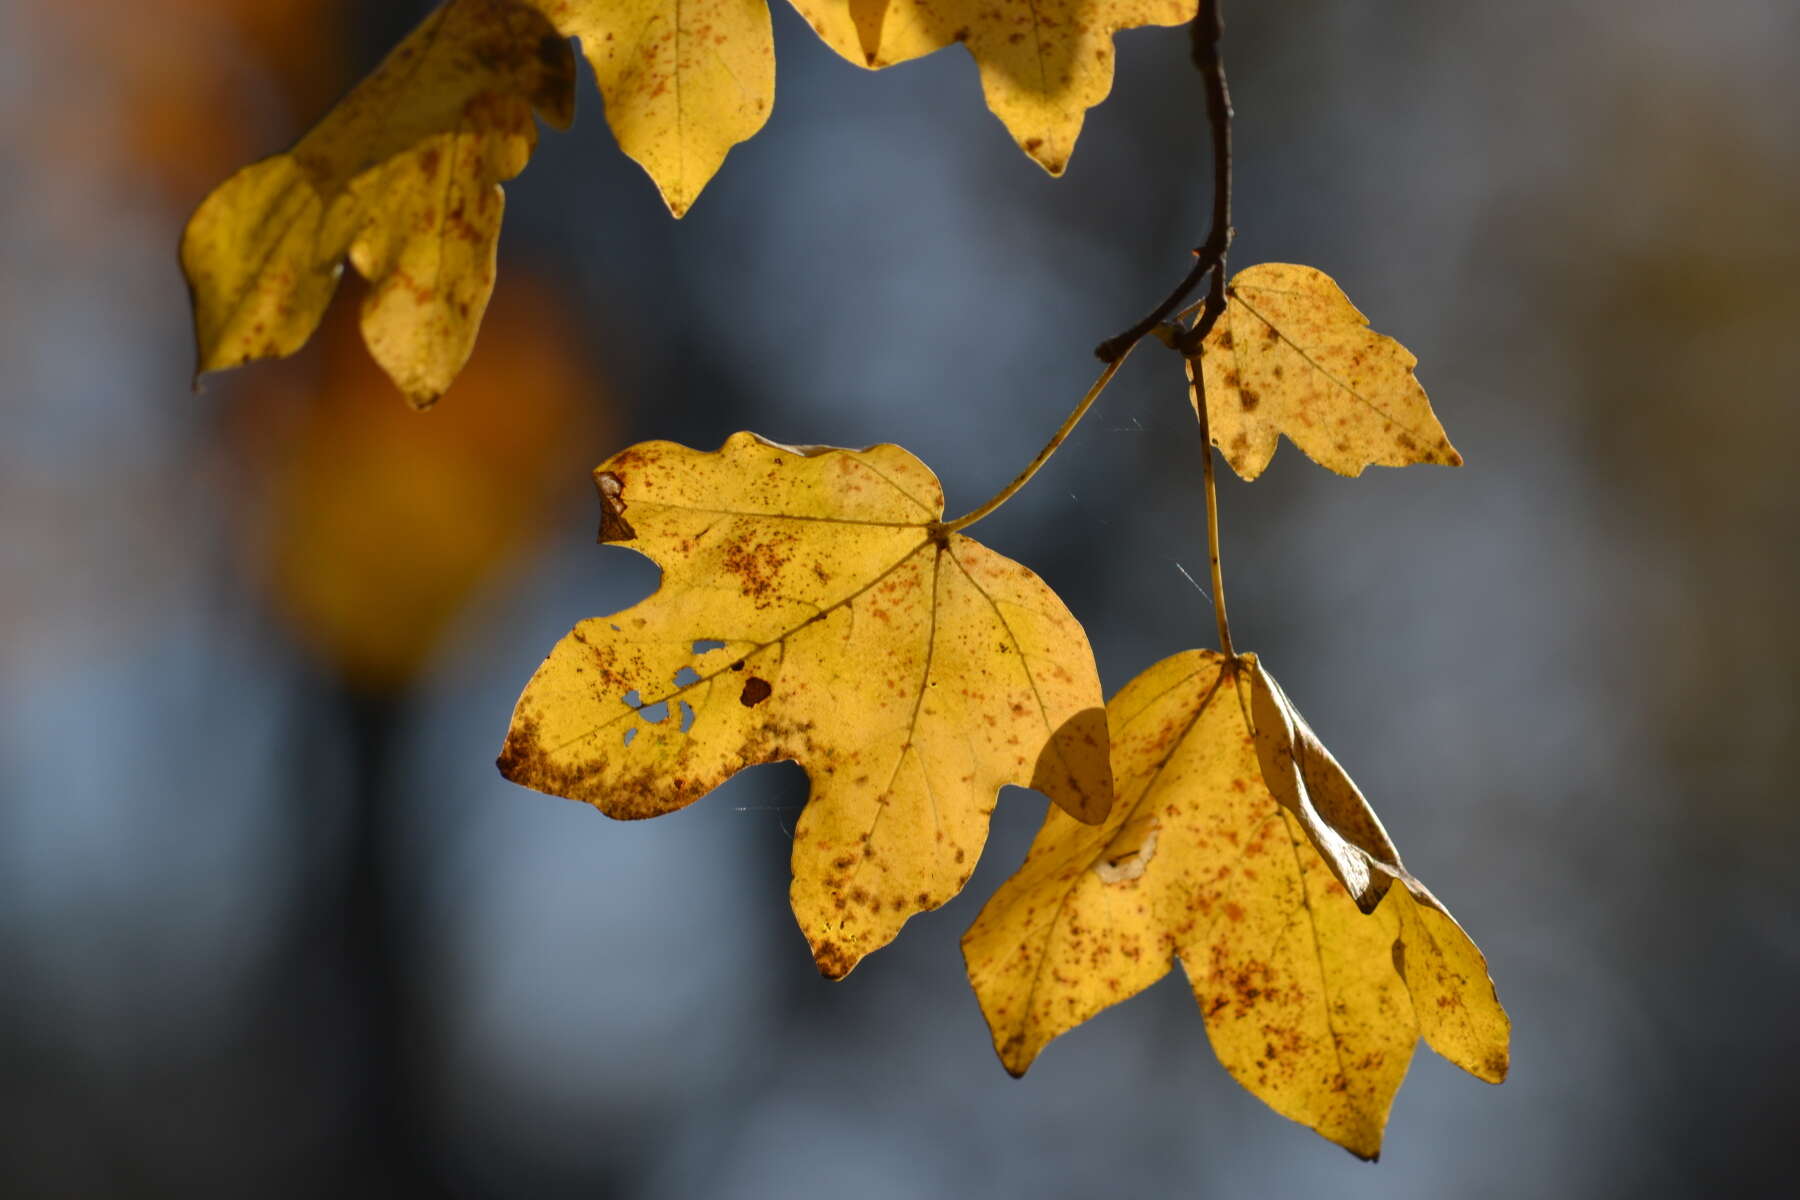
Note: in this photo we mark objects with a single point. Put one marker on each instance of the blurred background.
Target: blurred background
(271, 924)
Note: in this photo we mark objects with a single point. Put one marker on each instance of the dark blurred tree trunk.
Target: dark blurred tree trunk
(380, 960)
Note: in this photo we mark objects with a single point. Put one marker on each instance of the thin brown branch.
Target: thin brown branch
(1208, 29)
(1209, 258)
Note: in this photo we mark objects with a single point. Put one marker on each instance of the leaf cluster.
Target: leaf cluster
(402, 178)
(815, 605)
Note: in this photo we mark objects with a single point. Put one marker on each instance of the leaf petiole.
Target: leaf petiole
(1043, 456)
(1197, 384)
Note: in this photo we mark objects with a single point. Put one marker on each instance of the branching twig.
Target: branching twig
(1209, 260)
(1209, 257)
(1209, 27)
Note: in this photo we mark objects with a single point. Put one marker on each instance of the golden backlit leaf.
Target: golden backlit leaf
(813, 608)
(402, 178)
(1292, 355)
(1310, 1004)
(1043, 64)
(684, 80)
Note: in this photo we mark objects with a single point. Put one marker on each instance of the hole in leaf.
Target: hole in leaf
(686, 677)
(633, 700)
(656, 713)
(687, 716)
(705, 644)
(629, 734)
(613, 627)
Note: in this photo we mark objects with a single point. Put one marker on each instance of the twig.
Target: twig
(1209, 28)
(1209, 257)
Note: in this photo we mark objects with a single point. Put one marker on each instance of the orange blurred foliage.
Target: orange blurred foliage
(378, 523)
(179, 91)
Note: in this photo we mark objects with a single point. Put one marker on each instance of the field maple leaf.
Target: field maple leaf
(1238, 845)
(403, 179)
(684, 80)
(814, 608)
(1043, 63)
(1292, 355)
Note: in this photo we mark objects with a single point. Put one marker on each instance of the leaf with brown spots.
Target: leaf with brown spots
(1043, 63)
(684, 80)
(403, 179)
(813, 608)
(1310, 1004)
(1292, 355)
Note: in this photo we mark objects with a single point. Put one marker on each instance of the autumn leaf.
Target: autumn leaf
(813, 608)
(684, 80)
(402, 178)
(1042, 64)
(1292, 355)
(1211, 854)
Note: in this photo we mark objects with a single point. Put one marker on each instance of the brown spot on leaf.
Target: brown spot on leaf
(833, 961)
(552, 51)
(755, 692)
(613, 525)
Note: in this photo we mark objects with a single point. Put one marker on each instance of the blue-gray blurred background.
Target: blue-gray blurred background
(271, 924)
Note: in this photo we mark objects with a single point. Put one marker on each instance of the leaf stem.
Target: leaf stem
(1197, 384)
(1056, 440)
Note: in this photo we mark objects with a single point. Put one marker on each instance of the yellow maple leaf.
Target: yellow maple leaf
(684, 80)
(814, 608)
(403, 178)
(1292, 355)
(1312, 1005)
(1043, 64)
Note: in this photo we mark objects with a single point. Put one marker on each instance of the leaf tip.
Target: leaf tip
(1016, 1054)
(834, 961)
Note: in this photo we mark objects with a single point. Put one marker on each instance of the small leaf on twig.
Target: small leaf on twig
(1292, 355)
